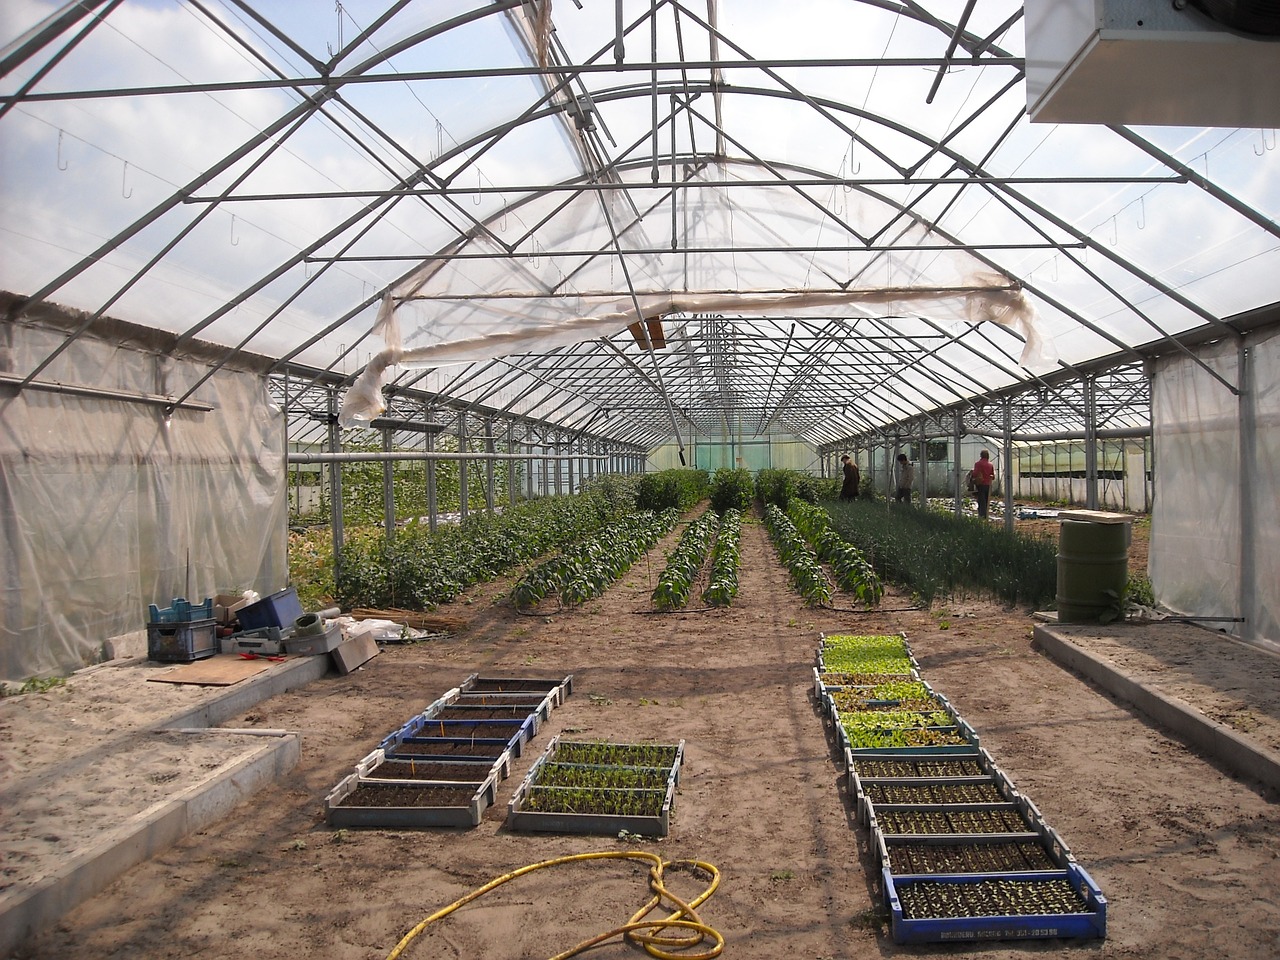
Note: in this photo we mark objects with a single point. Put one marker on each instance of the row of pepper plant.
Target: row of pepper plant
(684, 563)
(803, 568)
(419, 568)
(722, 584)
(853, 572)
(590, 565)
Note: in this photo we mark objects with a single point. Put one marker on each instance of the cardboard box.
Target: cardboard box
(352, 653)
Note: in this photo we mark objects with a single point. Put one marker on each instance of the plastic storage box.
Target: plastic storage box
(182, 642)
(181, 611)
(279, 609)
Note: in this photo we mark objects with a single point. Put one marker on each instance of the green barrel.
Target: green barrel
(1093, 559)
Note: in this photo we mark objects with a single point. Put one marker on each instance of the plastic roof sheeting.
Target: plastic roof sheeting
(810, 199)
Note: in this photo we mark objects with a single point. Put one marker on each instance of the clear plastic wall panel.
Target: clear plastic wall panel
(1196, 551)
(107, 506)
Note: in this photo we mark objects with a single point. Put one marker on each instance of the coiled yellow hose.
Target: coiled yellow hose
(685, 916)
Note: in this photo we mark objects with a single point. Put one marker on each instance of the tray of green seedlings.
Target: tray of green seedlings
(826, 681)
(1013, 818)
(857, 653)
(872, 732)
(359, 801)
(598, 787)
(559, 689)
(1010, 906)
(913, 768)
(1038, 849)
(889, 795)
(914, 695)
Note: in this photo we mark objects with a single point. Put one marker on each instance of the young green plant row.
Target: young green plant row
(722, 585)
(854, 654)
(685, 562)
(803, 568)
(585, 570)
(854, 574)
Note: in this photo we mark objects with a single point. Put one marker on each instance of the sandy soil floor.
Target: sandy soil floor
(1188, 856)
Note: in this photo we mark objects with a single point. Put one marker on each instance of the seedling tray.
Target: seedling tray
(909, 769)
(515, 733)
(841, 680)
(975, 853)
(530, 702)
(907, 794)
(477, 712)
(453, 748)
(960, 738)
(1007, 906)
(559, 688)
(537, 806)
(1014, 819)
(358, 802)
(377, 766)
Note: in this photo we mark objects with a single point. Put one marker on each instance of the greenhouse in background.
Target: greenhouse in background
(253, 254)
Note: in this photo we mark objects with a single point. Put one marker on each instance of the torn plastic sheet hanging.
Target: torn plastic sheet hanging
(494, 304)
(107, 505)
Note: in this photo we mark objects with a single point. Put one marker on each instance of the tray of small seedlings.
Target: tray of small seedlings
(875, 732)
(599, 787)
(378, 766)
(1037, 849)
(363, 801)
(866, 654)
(514, 732)
(532, 702)
(481, 712)
(995, 906)
(827, 681)
(914, 695)
(559, 689)
(876, 776)
(889, 794)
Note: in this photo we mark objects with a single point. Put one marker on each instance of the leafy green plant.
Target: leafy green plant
(678, 488)
(803, 568)
(722, 584)
(684, 563)
(781, 487)
(854, 573)
(732, 489)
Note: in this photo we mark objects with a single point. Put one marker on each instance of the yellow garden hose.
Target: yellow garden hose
(685, 916)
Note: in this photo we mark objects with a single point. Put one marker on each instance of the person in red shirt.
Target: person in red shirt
(984, 474)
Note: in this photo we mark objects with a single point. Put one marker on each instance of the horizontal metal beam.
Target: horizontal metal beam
(378, 456)
(101, 393)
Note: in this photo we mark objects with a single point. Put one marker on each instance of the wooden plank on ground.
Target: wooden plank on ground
(350, 654)
(217, 671)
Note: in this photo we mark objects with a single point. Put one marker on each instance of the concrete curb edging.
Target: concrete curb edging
(142, 837)
(1250, 760)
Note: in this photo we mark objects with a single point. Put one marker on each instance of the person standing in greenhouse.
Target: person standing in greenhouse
(852, 479)
(906, 474)
(984, 474)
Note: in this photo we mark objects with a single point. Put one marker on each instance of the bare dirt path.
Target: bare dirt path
(1188, 856)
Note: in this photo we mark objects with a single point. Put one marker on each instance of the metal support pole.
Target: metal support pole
(1007, 466)
(388, 488)
(512, 473)
(433, 506)
(335, 483)
(1089, 384)
(488, 466)
(957, 435)
(462, 465)
(924, 467)
(1247, 600)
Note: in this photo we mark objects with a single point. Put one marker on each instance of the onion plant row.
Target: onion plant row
(722, 584)
(592, 564)
(936, 554)
(802, 564)
(684, 563)
(854, 573)
(420, 568)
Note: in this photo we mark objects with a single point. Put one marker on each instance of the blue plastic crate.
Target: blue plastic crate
(279, 609)
(1090, 923)
(182, 642)
(181, 611)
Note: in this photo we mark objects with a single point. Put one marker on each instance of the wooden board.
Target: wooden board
(219, 671)
(352, 653)
(1095, 516)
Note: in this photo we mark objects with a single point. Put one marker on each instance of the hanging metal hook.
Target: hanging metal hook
(1142, 213)
(124, 177)
(477, 199)
(1265, 146)
(62, 165)
(1055, 268)
(439, 139)
(235, 241)
(1115, 235)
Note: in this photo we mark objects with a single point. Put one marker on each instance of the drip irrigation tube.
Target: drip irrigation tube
(685, 916)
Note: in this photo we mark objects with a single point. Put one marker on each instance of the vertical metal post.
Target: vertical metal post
(388, 488)
(488, 466)
(335, 482)
(512, 472)
(433, 505)
(1007, 466)
(1090, 442)
(924, 466)
(1247, 601)
(957, 435)
(462, 465)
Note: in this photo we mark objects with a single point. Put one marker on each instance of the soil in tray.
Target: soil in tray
(453, 728)
(836, 679)
(908, 858)
(611, 803)
(447, 749)
(481, 713)
(512, 686)
(895, 822)
(620, 754)
(959, 767)
(934, 793)
(429, 770)
(989, 898)
(380, 795)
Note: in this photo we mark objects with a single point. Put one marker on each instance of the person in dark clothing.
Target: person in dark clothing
(852, 479)
(984, 474)
(906, 474)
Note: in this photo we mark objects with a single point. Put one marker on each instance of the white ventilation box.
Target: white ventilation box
(1147, 62)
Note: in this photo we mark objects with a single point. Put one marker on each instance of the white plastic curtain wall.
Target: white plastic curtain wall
(1199, 564)
(107, 506)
